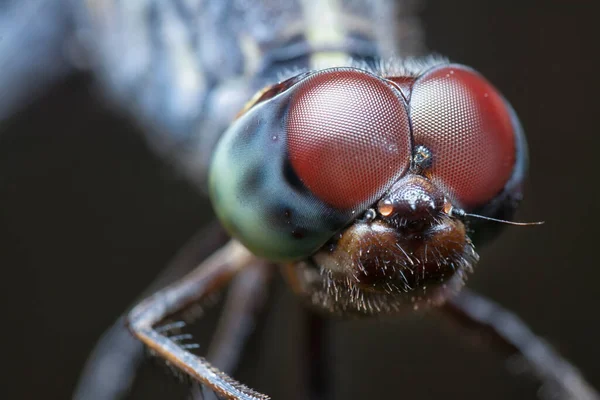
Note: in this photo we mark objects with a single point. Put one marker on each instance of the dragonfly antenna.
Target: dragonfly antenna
(462, 213)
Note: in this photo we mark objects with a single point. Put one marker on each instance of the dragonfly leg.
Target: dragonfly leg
(506, 331)
(209, 277)
(245, 299)
(111, 367)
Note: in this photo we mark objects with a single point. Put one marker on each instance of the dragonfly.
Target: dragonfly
(202, 77)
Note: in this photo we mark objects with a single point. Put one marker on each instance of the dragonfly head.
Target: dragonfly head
(407, 250)
(349, 178)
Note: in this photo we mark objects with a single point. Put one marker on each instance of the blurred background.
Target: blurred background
(89, 216)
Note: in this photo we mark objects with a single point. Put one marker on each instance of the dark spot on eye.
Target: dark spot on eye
(298, 233)
(288, 213)
(291, 178)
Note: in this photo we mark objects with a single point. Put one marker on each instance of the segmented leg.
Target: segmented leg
(560, 379)
(245, 300)
(210, 276)
(110, 369)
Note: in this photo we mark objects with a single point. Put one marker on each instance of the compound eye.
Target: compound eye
(468, 127)
(348, 136)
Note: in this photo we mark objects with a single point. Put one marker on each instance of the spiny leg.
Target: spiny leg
(111, 367)
(245, 299)
(210, 276)
(560, 379)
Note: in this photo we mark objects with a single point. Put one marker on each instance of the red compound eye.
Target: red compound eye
(467, 125)
(348, 136)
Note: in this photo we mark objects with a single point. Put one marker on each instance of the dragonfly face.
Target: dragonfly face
(353, 178)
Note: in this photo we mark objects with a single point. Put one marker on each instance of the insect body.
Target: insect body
(359, 177)
(355, 167)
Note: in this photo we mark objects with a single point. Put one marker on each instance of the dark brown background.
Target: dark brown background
(88, 216)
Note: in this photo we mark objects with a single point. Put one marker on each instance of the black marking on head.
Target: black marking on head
(299, 233)
(286, 219)
(253, 180)
(292, 179)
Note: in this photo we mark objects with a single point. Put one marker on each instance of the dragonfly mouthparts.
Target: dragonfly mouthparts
(413, 256)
